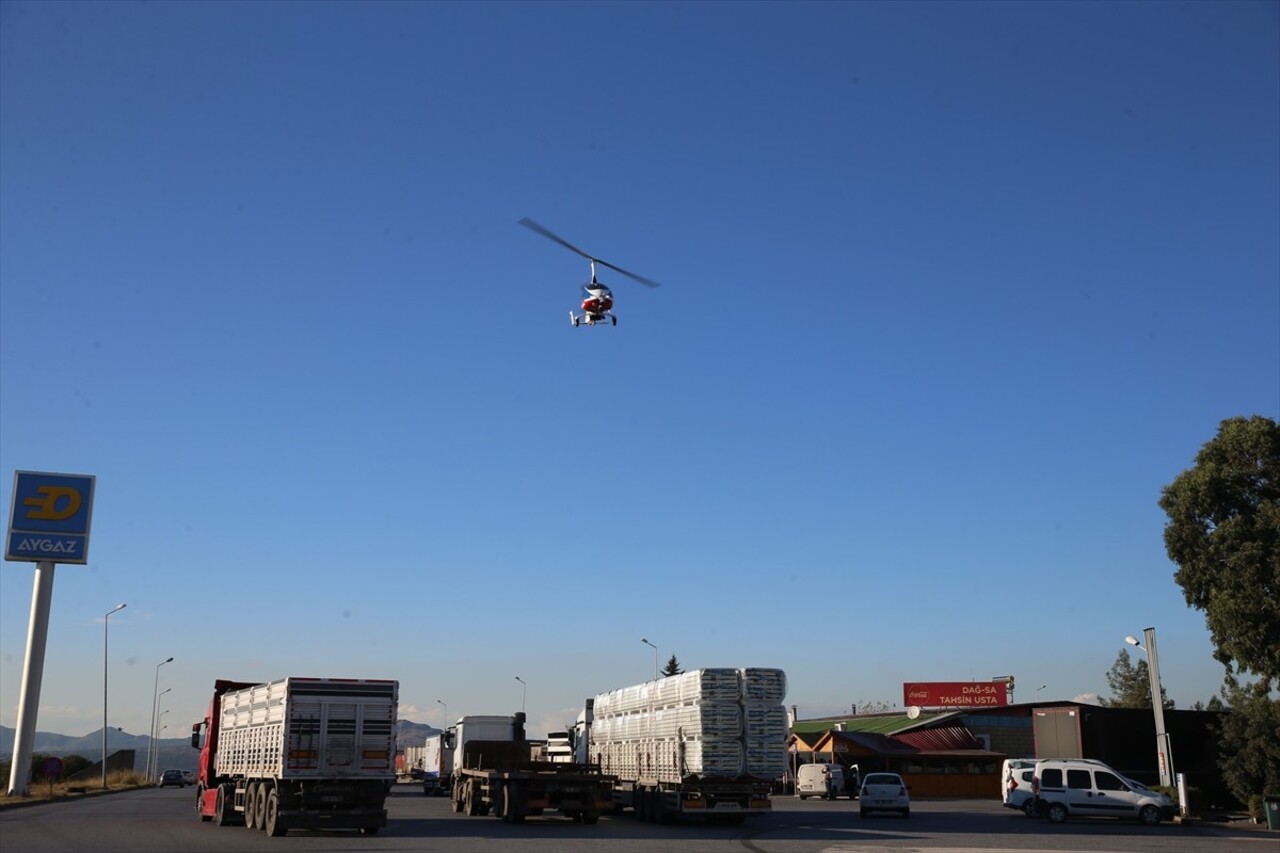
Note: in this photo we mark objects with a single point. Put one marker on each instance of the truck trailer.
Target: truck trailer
(494, 771)
(298, 753)
(708, 743)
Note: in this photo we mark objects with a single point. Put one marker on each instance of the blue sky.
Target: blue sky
(950, 292)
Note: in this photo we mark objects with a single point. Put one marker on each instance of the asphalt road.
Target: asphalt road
(163, 820)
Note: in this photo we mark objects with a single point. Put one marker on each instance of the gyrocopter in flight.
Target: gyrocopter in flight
(597, 307)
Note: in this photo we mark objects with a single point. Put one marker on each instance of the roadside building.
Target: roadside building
(935, 753)
(959, 753)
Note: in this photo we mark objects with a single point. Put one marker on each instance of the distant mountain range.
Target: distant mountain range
(172, 752)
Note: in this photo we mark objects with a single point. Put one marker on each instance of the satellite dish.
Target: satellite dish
(913, 712)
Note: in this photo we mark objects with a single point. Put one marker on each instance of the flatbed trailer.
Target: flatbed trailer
(498, 777)
(725, 798)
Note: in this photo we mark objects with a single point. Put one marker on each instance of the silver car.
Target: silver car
(172, 777)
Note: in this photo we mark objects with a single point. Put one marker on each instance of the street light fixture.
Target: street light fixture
(655, 657)
(441, 703)
(1164, 749)
(106, 622)
(524, 692)
(153, 754)
(155, 704)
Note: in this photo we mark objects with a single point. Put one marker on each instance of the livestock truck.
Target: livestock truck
(495, 771)
(708, 743)
(298, 753)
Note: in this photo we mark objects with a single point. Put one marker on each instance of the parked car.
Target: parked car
(1079, 788)
(172, 777)
(1017, 790)
(884, 792)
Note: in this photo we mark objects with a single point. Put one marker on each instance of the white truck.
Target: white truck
(495, 771)
(437, 764)
(298, 753)
(708, 743)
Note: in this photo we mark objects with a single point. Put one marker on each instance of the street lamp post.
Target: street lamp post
(1164, 749)
(524, 692)
(442, 704)
(106, 622)
(153, 755)
(655, 657)
(155, 704)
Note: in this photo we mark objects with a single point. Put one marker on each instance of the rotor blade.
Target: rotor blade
(647, 282)
(533, 226)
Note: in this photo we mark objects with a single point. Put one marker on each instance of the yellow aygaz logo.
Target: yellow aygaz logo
(48, 504)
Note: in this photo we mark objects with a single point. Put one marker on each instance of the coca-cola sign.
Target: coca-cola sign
(955, 694)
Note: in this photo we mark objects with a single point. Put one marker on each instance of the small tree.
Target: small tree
(73, 764)
(1131, 685)
(1250, 747)
(672, 668)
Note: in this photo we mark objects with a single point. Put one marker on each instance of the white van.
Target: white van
(1016, 788)
(811, 780)
(1073, 787)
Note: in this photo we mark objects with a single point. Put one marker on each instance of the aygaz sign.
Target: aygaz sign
(50, 518)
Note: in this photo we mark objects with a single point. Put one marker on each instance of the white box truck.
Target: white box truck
(708, 743)
(437, 764)
(298, 753)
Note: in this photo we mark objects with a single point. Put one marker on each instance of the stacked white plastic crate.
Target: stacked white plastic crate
(732, 721)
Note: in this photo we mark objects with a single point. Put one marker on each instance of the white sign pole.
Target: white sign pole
(32, 671)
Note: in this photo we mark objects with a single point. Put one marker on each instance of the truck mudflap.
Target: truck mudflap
(334, 819)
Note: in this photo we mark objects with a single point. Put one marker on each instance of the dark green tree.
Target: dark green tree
(1214, 704)
(672, 668)
(1224, 535)
(73, 764)
(1131, 685)
(1250, 736)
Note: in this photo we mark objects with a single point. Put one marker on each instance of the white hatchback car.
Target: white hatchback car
(884, 792)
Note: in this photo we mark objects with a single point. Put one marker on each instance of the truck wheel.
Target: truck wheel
(223, 812)
(590, 816)
(512, 808)
(200, 804)
(499, 791)
(272, 823)
(250, 794)
(260, 808)
(473, 802)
